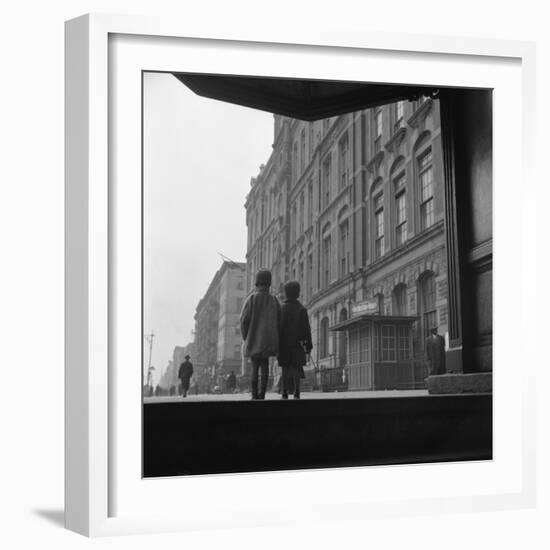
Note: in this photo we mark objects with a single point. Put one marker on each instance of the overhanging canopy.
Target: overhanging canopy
(367, 318)
(303, 99)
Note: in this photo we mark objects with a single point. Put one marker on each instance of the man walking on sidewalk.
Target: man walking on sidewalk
(184, 374)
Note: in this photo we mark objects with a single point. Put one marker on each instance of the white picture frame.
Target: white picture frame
(94, 445)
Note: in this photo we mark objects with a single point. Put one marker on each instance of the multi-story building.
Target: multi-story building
(217, 334)
(353, 208)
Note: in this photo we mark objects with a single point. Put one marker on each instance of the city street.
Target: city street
(276, 396)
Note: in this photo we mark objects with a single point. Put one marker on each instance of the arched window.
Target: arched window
(378, 220)
(426, 302)
(343, 341)
(424, 179)
(400, 207)
(323, 338)
(399, 299)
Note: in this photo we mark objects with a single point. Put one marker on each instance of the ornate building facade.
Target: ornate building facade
(217, 333)
(353, 208)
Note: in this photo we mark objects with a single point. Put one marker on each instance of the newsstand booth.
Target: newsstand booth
(380, 352)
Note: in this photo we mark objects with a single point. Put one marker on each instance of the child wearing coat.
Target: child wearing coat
(294, 340)
(260, 321)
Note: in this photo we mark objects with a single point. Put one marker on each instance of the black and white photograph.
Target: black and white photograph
(316, 274)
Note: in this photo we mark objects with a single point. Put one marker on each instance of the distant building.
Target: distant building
(353, 208)
(218, 340)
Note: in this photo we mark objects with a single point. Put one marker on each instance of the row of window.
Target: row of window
(399, 217)
(302, 155)
(424, 171)
(299, 217)
(426, 210)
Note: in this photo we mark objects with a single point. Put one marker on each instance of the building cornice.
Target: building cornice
(421, 113)
(413, 242)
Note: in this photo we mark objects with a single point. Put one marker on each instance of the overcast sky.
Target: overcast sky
(199, 156)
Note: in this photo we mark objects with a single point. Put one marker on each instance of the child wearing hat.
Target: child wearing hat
(260, 320)
(295, 340)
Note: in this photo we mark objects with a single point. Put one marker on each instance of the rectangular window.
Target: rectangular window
(309, 203)
(343, 161)
(428, 304)
(294, 224)
(364, 344)
(404, 351)
(398, 116)
(302, 213)
(425, 172)
(400, 218)
(326, 181)
(379, 226)
(295, 162)
(344, 237)
(388, 343)
(399, 111)
(326, 261)
(303, 150)
(377, 131)
(310, 275)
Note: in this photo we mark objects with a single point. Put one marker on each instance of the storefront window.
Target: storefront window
(388, 343)
(404, 350)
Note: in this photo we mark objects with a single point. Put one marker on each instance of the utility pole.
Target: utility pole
(149, 338)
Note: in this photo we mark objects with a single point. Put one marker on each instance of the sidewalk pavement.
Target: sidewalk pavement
(275, 396)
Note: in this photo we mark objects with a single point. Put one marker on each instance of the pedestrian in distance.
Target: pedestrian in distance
(435, 353)
(260, 319)
(184, 374)
(231, 382)
(294, 340)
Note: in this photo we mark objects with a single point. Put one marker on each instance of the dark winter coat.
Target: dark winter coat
(260, 319)
(295, 334)
(435, 353)
(185, 372)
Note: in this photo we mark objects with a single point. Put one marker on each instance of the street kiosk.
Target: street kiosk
(380, 353)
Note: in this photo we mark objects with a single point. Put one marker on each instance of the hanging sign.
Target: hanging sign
(367, 307)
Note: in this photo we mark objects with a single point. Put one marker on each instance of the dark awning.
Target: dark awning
(379, 319)
(303, 99)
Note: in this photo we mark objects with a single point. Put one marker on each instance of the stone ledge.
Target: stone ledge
(481, 382)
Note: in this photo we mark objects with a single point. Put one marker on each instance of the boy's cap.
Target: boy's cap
(263, 277)
(292, 289)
